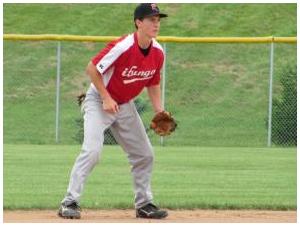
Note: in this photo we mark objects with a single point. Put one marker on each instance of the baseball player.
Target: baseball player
(118, 73)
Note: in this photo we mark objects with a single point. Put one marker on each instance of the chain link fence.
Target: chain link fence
(219, 93)
(284, 114)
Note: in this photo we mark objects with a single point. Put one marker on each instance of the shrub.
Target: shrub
(284, 114)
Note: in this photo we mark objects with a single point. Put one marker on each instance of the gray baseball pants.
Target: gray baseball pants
(129, 131)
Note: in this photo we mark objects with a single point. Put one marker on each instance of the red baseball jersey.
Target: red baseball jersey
(125, 70)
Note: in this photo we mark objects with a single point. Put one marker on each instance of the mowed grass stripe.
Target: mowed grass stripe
(36, 176)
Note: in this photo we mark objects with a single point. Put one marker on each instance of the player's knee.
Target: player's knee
(141, 161)
(94, 156)
(148, 157)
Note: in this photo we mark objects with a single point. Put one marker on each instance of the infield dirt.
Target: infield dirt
(175, 216)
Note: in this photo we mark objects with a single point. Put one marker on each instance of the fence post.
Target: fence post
(163, 86)
(57, 92)
(270, 93)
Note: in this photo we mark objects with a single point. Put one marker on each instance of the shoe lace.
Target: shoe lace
(151, 207)
(74, 206)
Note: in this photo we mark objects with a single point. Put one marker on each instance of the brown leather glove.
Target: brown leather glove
(163, 123)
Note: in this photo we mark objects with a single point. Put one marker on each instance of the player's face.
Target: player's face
(150, 26)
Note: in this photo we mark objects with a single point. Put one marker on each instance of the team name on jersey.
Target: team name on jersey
(130, 72)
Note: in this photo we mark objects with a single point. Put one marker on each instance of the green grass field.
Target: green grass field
(36, 176)
(217, 92)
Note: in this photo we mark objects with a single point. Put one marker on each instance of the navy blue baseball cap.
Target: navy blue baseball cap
(147, 9)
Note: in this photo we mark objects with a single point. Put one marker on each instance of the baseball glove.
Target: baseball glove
(163, 123)
(80, 98)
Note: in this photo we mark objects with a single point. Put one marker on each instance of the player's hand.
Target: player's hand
(110, 105)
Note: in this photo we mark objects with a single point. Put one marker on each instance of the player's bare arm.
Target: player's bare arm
(154, 95)
(109, 104)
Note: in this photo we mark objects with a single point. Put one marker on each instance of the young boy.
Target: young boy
(118, 74)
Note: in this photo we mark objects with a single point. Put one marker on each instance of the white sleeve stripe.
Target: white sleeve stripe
(114, 53)
(107, 76)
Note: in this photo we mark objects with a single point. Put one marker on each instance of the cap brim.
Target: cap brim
(161, 15)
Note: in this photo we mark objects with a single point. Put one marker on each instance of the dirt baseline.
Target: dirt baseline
(175, 216)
